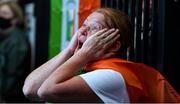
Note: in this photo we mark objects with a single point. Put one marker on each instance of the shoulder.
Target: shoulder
(108, 84)
(101, 77)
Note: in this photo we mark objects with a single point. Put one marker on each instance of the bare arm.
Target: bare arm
(39, 75)
(63, 84)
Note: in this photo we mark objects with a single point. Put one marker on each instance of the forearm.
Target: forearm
(39, 75)
(64, 72)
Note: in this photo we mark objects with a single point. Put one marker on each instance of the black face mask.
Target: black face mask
(5, 23)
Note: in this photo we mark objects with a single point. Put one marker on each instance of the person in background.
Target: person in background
(14, 52)
(96, 46)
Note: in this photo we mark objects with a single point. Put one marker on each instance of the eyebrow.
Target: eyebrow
(95, 21)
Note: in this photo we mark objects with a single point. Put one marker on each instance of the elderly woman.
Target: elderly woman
(96, 46)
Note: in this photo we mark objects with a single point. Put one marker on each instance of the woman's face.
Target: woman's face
(6, 12)
(91, 25)
(6, 18)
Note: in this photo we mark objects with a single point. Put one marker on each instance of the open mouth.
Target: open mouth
(81, 39)
(80, 45)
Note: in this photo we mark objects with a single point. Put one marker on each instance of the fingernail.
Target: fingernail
(117, 29)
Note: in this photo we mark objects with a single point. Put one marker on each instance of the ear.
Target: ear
(115, 47)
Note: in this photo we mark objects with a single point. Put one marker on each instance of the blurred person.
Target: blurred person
(96, 46)
(14, 49)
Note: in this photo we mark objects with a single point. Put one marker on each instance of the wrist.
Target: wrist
(83, 55)
(69, 51)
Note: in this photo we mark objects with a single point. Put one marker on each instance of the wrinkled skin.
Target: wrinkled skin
(57, 80)
(94, 38)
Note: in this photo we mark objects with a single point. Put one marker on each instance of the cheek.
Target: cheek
(81, 29)
(92, 32)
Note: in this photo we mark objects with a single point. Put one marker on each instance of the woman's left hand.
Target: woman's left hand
(97, 45)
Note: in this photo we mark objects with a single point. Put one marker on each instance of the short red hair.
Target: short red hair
(116, 19)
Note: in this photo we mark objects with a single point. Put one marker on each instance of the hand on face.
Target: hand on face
(93, 39)
(78, 39)
(97, 45)
(73, 43)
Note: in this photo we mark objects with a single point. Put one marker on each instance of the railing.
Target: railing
(148, 29)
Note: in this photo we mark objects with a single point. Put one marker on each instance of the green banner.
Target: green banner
(55, 28)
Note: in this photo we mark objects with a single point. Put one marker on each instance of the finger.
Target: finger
(111, 42)
(107, 33)
(75, 36)
(77, 48)
(100, 32)
(112, 35)
(111, 38)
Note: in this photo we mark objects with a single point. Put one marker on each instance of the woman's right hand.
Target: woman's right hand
(73, 43)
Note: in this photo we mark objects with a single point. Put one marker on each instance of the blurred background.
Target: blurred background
(33, 31)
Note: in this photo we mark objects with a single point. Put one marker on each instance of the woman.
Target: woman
(13, 52)
(96, 47)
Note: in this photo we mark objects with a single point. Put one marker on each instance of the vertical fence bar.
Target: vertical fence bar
(125, 6)
(160, 36)
(42, 14)
(104, 3)
(120, 3)
(117, 4)
(138, 42)
(108, 3)
(153, 38)
(113, 3)
(131, 13)
(145, 44)
(125, 10)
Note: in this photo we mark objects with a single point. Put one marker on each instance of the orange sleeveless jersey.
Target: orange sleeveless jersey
(144, 84)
